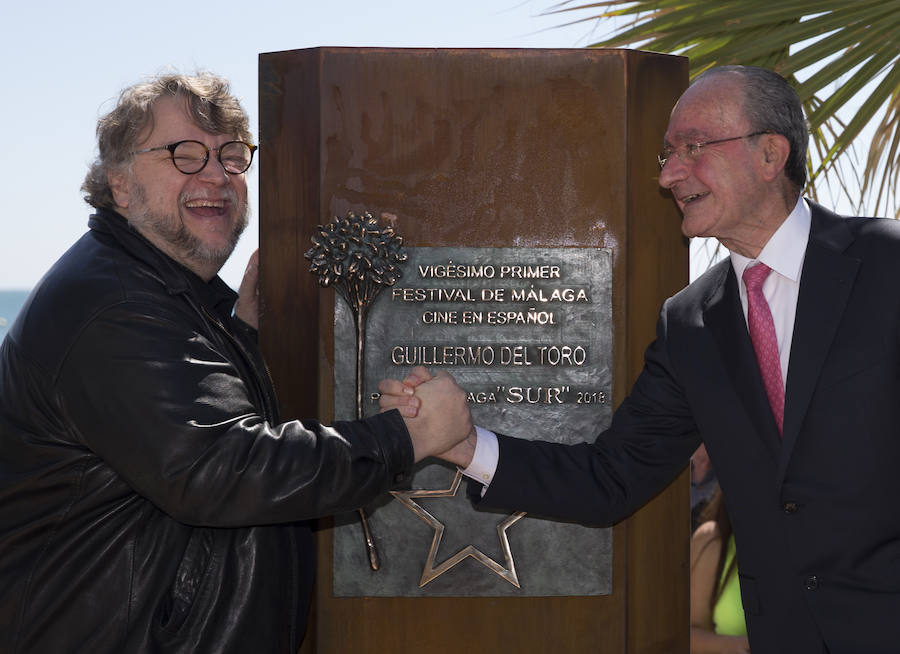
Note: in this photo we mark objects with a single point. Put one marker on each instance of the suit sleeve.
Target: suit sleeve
(650, 440)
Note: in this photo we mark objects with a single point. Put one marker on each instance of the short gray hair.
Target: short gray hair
(772, 105)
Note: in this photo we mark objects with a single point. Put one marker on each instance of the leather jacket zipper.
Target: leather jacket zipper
(270, 412)
(270, 415)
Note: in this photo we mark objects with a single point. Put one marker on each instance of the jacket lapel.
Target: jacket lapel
(825, 285)
(725, 319)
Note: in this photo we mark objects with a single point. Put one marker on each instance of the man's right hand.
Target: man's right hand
(436, 415)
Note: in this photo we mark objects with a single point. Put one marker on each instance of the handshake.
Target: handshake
(436, 415)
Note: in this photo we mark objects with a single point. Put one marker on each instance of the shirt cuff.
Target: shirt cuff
(484, 461)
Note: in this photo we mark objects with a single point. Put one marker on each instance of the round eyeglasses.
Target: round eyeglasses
(190, 157)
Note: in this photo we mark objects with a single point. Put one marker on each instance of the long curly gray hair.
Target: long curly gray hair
(208, 101)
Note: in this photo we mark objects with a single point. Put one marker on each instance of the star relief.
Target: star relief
(432, 571)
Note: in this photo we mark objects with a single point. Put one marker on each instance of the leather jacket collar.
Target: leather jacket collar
(176, 278)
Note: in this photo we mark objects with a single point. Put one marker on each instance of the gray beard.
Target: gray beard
(175, 239)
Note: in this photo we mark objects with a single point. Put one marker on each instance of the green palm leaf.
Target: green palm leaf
(840, 55)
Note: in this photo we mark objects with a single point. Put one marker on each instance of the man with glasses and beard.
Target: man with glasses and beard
(151, 500)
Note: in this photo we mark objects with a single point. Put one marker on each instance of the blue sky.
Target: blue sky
(64, 63)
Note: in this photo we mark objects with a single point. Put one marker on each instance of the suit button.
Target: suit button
(400, 477)
(812, 582)
(790, 507)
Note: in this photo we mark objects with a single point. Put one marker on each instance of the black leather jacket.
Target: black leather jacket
(150, 499)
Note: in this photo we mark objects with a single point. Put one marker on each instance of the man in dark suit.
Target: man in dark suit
(790, 377)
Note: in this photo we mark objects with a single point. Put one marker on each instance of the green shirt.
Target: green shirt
(728, 613)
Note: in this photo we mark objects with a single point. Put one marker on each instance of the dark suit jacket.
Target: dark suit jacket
(816, 514)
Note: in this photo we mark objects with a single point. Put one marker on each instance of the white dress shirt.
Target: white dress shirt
(783, 253)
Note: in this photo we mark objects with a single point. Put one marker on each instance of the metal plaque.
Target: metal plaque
(527, 332)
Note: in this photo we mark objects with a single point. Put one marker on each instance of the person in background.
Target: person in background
(703, 484)
(717, 616)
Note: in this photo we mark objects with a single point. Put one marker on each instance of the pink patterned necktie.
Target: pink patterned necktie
(762, 334)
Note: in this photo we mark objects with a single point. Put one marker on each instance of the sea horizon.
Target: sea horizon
(11, 301)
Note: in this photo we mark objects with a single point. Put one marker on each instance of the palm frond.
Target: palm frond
(841, 57)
